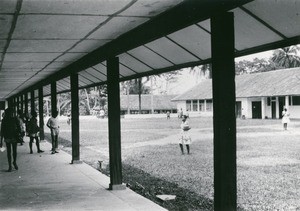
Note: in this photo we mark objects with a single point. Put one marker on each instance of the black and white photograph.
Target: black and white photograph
(150, 105)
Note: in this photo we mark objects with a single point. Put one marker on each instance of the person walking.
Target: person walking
(10, 129)
(285, 118)
(54, 128)
(185, 138)
(33, 132)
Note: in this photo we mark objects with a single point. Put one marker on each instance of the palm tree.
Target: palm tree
(287, 57)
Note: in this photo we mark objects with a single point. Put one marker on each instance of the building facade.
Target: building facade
(258, 96)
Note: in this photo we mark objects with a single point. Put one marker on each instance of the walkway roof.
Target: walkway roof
(42, 41)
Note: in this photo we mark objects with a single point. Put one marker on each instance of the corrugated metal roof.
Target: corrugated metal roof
(39, 39)
(274, 83)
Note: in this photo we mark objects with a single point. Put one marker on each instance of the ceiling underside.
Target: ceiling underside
(39, 39)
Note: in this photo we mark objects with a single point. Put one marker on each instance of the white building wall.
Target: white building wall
(246, 104)
(294, 111)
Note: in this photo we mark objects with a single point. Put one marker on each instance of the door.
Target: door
(273, 107)
(281, 105)
(256, 110)
(238, 109)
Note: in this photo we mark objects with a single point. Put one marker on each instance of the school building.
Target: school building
(159, 104)
(258, 96)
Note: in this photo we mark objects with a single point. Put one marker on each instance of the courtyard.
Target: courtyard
(267, 160)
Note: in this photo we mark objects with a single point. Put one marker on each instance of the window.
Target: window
(188, 105)
(201, 105)
(268, 101)
(209, 105)
(195, 105)
(296, 100)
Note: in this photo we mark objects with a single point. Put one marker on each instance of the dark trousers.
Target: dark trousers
(37, 143)
(54, 142)
(13, 147)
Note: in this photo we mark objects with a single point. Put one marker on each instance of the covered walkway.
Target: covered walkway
(49, 182)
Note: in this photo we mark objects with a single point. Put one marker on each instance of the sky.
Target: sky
(187, 80)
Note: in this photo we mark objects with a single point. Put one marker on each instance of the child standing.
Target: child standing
(33, 132)
(285, 118)
(54, 128)
(185, 138)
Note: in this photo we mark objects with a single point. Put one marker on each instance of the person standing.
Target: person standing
(285, 118)
(185, 138)
(168, 114)
(10, 129)
(21, 135)
(54, 128)
(33, 132)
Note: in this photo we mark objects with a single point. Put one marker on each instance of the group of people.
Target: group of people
(14, 128)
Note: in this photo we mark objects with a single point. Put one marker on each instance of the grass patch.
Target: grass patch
(268, 162)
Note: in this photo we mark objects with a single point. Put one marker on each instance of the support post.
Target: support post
(26, 103)
(18, 103)
(75, 119)
(114, 124)
(53, 97)
(41, 113)
(286, 102)
(224, 121)
(9, 104)
(277, 108)
(13, 105)
(22, 103)
(32, 102)
(263, 107)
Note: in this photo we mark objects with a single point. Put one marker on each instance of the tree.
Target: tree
(286, 57)
(202, 71)
(257, 65)
(168, 78)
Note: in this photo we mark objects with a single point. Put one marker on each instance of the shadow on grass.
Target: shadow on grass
(150, 186)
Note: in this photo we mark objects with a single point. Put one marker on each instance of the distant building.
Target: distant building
(161, 104)
(260, 95)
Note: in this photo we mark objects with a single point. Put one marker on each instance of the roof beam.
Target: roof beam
(185, 14)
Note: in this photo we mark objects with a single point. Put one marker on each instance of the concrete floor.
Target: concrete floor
(50, 182)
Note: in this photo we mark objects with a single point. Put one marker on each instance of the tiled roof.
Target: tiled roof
(160, 102)
(272, 83)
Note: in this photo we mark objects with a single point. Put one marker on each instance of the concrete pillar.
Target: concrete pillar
(41, 113)
(224, 121)
(26, 103)
(22, 103)
(32, 101)
(286, 102)
(53, 97)
(263, 107)
(277, 108)
(75, 119)
(18, 103)
(114, 124)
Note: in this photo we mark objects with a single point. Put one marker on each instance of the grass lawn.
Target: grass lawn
(268, 161)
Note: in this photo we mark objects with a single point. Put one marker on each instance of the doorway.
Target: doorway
(256, 110)
(281, 105)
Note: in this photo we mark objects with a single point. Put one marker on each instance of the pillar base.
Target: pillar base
(117, 187)
(76, 162)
